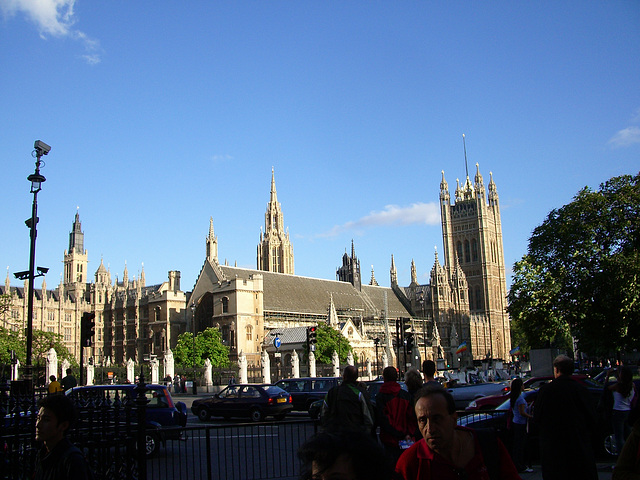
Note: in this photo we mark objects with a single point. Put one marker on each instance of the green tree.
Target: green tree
(207, 344)
(580, 275)
(329, 340)
(42, 342)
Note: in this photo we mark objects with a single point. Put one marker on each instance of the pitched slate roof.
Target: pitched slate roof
(304, 295)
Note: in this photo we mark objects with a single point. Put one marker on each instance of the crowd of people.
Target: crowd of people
(419, 437)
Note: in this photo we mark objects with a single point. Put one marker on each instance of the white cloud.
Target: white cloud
(625, 137)
(53, 18)
(392, 215)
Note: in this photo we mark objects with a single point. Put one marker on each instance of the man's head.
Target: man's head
(390, 374)
(344, 456)
(52, 378)
(429, 369)
(55, 415)
(436, 414)
(562, 365)
(69, 371)
(350, 374)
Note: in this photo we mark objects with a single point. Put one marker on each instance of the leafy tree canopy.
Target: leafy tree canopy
(42, 343)
(208, 344)
(329, 340)
(580, 276)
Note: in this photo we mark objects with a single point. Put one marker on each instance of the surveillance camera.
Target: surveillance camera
(41, 147)
(42, 270)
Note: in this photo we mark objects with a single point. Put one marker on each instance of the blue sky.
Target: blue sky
(163, 114)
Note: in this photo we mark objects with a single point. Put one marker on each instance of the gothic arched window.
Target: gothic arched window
(249, 331)
(225, 304)
(474, 249)
(459, 249)
(467, 252)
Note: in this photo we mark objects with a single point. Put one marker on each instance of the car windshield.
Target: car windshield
(273, 390)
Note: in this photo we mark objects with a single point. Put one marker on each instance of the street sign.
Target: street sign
(277, 355)
(277, 342)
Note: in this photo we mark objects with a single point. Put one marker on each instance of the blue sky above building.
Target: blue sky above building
(162, 115)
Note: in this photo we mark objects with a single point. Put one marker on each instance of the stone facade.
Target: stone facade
(133, 320)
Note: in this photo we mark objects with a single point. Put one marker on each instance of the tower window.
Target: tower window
(225, 304)
(459, 249)
(249, 333)
(467, 252)
(474, 249)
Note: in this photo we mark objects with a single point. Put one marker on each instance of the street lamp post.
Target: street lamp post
(36, 179)
(193, 313)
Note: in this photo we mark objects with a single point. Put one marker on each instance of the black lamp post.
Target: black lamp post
(36, 180)
(193, 323)
(376, 341)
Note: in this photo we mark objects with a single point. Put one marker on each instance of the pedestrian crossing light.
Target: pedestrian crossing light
(409, 342)
(87, 328)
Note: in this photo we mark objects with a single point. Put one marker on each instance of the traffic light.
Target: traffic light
(409, 342)
(87, 328)
(311, 335)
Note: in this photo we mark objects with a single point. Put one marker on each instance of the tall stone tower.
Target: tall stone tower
(275, 252)
(472, 238)
(350, 269)
(76, 262)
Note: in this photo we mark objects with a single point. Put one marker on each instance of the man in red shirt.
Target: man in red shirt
(448, 451)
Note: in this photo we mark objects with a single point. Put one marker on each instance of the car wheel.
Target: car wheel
(152, 444)
(256, 415)
(203, 414)
(610, 445)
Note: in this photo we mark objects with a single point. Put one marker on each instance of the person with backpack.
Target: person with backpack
(395, 415)
(451, 452)
(347, 406)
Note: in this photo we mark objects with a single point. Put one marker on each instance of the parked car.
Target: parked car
(497, 419)
(307, 390)
(492, 401)
(255, 401)
(162, 413)
(466, 393)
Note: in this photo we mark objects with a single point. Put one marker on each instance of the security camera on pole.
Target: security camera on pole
(40, 149)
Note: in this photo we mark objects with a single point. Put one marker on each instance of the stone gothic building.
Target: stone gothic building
(133, 320)
(464, 301)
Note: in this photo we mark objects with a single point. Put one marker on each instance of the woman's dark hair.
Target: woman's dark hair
(625, 381)
(516, 390)
(367, 458)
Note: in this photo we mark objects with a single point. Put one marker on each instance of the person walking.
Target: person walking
(54, 385)
(347, 407)
(69, 381)
(566, 417)
(623, 398)
(520, 416)
(429, 371)
(395, 415)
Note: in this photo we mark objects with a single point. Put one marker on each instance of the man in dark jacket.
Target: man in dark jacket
(346, 406)
(58, 459)
(395, 415)
(566, 417)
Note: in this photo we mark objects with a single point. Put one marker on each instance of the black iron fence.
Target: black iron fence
(111, 432)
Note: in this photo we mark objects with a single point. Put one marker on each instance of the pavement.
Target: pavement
(605, 471)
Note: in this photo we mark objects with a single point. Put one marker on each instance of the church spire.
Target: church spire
(373, 278)
(275, 252)
(212, 243)
(414, 273)
(393, 272)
